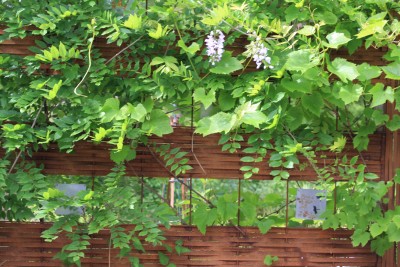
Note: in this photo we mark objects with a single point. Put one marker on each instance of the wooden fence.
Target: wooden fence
(21, 245)
(94, 160)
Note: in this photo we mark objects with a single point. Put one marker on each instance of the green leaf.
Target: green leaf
(265, 225)
(360, 237)
(181, 250)
(285, 175)
(394, 123)
(54, 52)
(134, 261)
(302, 60)
(133, 22)
(326, 17)
(226, 209)
(350, 93)
(159, 32)
(226, 101)
(139, 112)
(307, 30)
(254, 118)
(339, 144)
(336, 39)
(297, 83)
(227, 65)
(393, 233)
(380, 96)
(392, 71)
(53, 92)
(216, 16)
(158, 124)
(371, 176)
(274, 122)
(344, 69)
(368, 72)
(379, 117)
(205, 98)
(88, 196)
(109, 110)
(248, 113)
(396, 179)
(313, 103)
(371, 27)
(375, 230)
(203, 217)
(148, 104)
(63, 51)
(164, 259)
(99, 136)
(269, 260)
(247, 159)
(192, 49)
(218, 123)
(396, 220)
(126, 153)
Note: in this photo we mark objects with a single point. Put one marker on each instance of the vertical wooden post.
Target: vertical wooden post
(397, 165)
(183, 198)
(190, 200)
(391, 161)
(171, 188)
(287, 204)
(239, 200)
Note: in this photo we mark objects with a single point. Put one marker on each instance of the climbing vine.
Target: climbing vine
(269, 70)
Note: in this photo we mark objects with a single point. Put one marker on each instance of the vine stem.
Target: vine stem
(352, 138)
(124, 49)
(192, 190)
(194, 155)
(224, 21)
(190, 60)
(20, 152)
(173, 175)
(279, 209)
(90, 63)
(156, 193)
(313, 165)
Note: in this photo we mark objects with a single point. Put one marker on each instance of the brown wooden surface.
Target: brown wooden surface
(21, 245)
(16, 46)
(94, 160)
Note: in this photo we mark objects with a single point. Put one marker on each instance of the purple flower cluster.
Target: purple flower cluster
(259, 53)
(215, 46)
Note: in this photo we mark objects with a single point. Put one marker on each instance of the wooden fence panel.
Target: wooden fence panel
(94, 160)
(21, 245)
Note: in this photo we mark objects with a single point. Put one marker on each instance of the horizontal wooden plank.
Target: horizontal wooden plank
(21, 245)
(205, 156)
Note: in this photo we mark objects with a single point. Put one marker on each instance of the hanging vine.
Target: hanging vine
(269, 70)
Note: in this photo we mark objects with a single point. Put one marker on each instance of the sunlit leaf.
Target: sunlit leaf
(227, 65)
(302, 60)
(336, 39)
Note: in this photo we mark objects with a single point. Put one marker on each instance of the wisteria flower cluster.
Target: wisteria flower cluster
(257, 50)
(215, 46)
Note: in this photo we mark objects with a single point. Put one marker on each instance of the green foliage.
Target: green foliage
(269, 260)
(174, 159)
(227, 65)
(293, 111)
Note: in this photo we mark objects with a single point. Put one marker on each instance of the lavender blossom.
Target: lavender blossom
(259, 53)
(215, 47)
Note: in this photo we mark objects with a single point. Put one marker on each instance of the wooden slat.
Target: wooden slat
(21, 245)
(93, 160)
